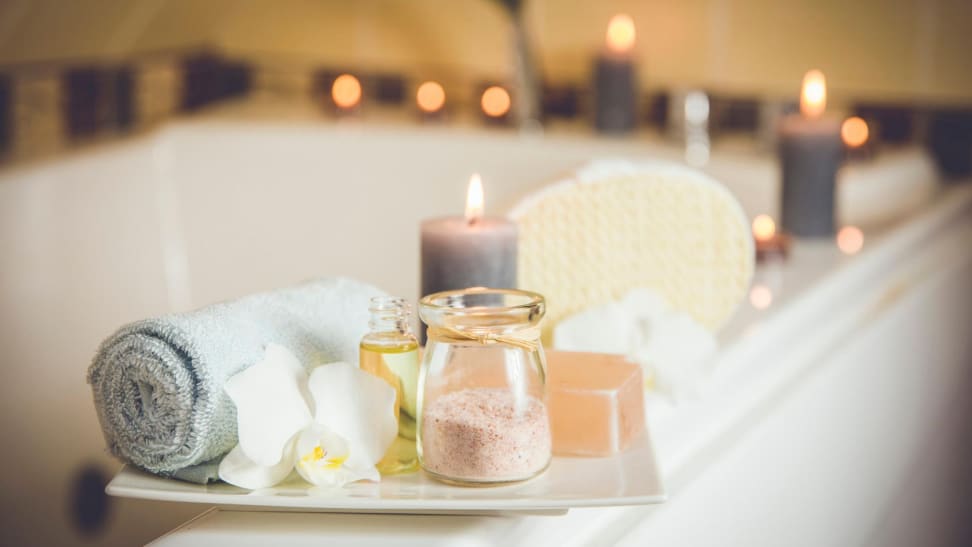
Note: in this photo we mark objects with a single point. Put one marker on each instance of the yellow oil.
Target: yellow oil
(397, 362)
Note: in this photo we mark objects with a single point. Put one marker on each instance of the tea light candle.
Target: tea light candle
(855, 134)
(769, 243)
(614, 79)
(496, 102)
(470, 251)
(346, 94)
(810, 153)
(430, 98)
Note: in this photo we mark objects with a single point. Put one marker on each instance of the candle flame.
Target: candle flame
(495, 101)
(430, 97)
(346, 91)
(474, 199)
(854, 131)
(621, 33)
(813, 96)
(764, 228)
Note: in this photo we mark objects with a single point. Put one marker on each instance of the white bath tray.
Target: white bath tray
(629, 478)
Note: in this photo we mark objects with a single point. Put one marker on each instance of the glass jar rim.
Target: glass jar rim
(533, 299)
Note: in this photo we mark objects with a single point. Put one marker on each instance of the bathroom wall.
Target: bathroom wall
(878, 49)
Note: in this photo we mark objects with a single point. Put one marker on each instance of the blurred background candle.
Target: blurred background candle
(346, 94)
(468, 251)
(769, 243)
(495, 103)
(810, 152)
(430, 98)
(855, 134)
(614, 79)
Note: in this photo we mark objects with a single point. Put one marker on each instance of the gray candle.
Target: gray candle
(471, 251)
(615, 97)
(810, 153)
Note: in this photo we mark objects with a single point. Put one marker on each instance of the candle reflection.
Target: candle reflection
(850, 240)
(760, 296)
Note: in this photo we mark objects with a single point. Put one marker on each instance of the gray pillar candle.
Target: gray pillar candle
(471, 251)
(810, 153)
(615, 85)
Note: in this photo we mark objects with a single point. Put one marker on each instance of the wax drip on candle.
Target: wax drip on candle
(813, 96)
(474, 199)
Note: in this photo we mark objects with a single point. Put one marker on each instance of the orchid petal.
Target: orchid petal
(239, 470)
(320, 458)
(357, 406)
(270, 408)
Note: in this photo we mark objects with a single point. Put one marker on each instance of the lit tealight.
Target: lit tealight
(430, 97)
(495, 101)
(346, 91)
(850, 240)
(854, 131)
(621, 33)
(764, 228)
(813, 95)
(760, 296)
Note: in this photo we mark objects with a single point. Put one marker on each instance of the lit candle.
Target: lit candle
(474, 250)
(810, 153)
(496, 103)
(430, 98)
(855, 133)
(769, 243)
(346, 94)
(614, 79)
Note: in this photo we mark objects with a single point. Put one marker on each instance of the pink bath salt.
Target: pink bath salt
(484, 435)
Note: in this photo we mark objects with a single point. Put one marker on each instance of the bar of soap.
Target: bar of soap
(596, 403)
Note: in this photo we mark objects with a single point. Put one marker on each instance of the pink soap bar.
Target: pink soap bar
(596, 403)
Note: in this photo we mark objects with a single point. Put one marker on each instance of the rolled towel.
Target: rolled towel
(158, 383)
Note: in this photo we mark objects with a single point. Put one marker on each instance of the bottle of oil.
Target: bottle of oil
(390, 352)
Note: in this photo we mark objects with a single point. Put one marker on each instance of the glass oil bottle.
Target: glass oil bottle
(390, 352)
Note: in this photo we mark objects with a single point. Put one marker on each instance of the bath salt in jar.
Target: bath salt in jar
(482, 414)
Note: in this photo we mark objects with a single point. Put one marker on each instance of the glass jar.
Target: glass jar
(390, 352)
(482, 413)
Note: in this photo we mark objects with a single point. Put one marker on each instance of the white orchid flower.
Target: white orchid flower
(332, 426)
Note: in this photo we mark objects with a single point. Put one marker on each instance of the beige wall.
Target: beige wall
(884, 49)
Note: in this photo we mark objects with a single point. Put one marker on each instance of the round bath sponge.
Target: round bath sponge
(615, 226)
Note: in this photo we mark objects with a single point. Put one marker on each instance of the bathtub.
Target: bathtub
(208, 209)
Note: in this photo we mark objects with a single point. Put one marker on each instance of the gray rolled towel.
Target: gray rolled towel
(158, 383)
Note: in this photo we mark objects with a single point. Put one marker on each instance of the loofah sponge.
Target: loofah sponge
(617, 226)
